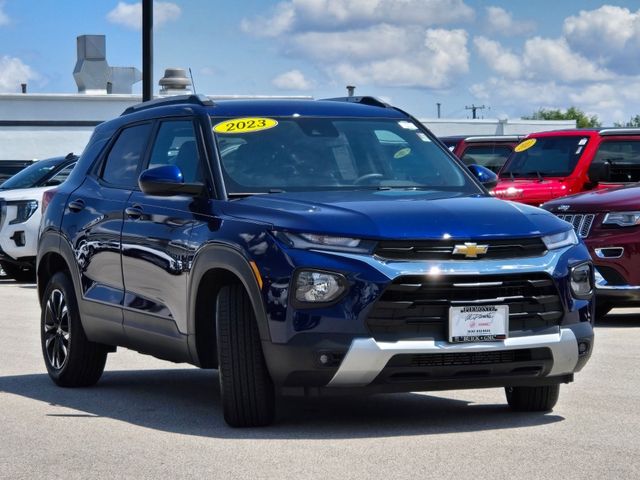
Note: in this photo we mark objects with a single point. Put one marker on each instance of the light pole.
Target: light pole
(147, 50)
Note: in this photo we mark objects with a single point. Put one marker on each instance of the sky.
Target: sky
(514, 57)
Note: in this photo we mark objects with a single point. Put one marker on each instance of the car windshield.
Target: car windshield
(545, 157)
(313, 154)
(33, 175)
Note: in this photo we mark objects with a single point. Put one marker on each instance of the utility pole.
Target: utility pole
(147, 50)
(438, 105)
(473, 109)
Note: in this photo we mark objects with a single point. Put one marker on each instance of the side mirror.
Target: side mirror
(167, 181)
(599, 172)
(485, 176)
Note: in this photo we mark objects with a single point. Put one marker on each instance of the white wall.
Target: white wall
(492, 126)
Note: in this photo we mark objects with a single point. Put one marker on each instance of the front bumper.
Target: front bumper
(622, 295)
(538, 353)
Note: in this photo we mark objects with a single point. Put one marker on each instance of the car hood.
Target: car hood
(611, 199)
(530, 191)
(396, 214)
(24, 193)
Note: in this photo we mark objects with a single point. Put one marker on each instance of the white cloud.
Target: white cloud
(542, 58)
(4, 18)
(292, 80)
(613, 101)
(13, 72)
(501, 21)
(499, 59)
(553, 58)
(441, 56)
(327, 15)
(609, 35)
(129, 15)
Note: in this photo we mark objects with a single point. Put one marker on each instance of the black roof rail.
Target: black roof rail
(174, 100)
(365, 100)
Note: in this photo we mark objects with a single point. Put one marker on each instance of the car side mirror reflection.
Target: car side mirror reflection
(167, 181)
(485, 176)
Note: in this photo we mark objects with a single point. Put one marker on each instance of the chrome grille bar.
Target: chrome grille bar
(582, 222)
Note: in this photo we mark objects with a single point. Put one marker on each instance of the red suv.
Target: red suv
(489, 151)
(549, 165)
(609, 223)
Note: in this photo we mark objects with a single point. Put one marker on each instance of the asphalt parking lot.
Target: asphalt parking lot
(152, 419)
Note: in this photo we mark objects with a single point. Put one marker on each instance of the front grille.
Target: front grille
(418, 307)
(475, 358)
(443, 249)
(582, 222)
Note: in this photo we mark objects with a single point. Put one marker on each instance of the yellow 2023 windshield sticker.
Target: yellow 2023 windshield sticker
(245, 125)
(525, 145)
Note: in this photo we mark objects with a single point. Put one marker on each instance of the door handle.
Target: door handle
(133, 212)
(76, 205)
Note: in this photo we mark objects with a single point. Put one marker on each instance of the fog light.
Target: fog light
(330, 359)
(581, 286)
(583, 348)
(318, 287)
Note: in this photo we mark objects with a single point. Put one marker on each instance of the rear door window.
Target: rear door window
(123, 162)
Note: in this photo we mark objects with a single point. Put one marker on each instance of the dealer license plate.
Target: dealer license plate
(478, 323)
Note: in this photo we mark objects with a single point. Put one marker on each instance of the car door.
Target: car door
(155, 246)
(93, 219)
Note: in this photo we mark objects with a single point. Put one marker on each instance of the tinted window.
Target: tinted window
(61, 176)
(33, 174)
(623, 159)
(302, 154)
(121, 167)
(490, 156)
(176, 144)
(546, 157)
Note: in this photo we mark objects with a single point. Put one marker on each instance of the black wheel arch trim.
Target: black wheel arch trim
(224, 257)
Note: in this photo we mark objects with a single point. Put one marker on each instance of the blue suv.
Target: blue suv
(305, 247)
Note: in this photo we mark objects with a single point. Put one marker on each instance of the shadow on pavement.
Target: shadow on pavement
(620, 319)
(187, 402)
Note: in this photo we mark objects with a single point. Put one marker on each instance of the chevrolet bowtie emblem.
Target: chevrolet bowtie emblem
(470, 250)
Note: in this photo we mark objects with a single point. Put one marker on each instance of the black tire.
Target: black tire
(602, 309)
(246, 389)
(71, 359)
(533, 399)
(19, 274)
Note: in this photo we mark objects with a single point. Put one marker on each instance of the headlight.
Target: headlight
(559, 240)
(325, 242)
(25, 210)
(581, 285)
(622, 219)
(318, 287)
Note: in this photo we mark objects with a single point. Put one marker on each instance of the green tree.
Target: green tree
(633, 122)
(572, 113)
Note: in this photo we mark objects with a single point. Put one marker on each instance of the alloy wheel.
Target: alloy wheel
(57, 332)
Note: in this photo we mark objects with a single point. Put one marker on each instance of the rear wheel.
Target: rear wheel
(71, 359)
(533, 399)
(18, 273)
(246, 388)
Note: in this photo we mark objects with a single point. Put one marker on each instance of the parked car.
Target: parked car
(490, 151)
(8, 168)
(555, 164)
(609, 223)
(305, 246)
(20, 213)
(452, 141)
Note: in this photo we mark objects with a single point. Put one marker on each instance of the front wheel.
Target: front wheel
(533, 399)
(71, 359)
(246, 388)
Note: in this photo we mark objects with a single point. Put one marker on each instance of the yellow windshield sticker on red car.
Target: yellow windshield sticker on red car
(525, 145)
(245, 125)
(403, 152)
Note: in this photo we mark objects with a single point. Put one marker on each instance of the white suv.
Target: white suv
(20, 213)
